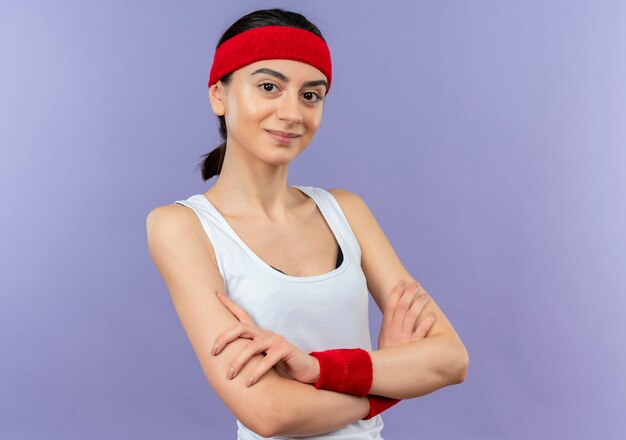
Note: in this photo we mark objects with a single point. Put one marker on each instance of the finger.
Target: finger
(240, 313)
(410, 318)
(424, 326)
(252, 348)
(402, 307)
(274, 355)
(392, 300)
(281, 369)
(239, 330)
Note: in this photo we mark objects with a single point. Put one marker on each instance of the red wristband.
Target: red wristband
(345, 370)
(378, 404)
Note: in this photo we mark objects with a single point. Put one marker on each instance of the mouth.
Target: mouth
(283, 137)
(284, 134)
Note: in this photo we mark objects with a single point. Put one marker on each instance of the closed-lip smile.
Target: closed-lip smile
(283, 133)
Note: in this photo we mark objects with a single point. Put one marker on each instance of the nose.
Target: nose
(289, 108)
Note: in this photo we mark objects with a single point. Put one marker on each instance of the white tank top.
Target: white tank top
(314, 313)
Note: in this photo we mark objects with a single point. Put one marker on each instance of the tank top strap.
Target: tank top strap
(226, 247)
(333, 213)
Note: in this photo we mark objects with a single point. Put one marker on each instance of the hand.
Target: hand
(400, 314)
(289, 360)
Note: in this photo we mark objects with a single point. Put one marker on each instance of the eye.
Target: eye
(318, 97)
(267, 86)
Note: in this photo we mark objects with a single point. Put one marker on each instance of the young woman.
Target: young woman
(285, 343)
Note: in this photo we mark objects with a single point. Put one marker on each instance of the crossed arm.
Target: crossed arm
(277, 405)
(404, 324)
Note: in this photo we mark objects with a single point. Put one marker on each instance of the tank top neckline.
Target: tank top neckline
(270, 269)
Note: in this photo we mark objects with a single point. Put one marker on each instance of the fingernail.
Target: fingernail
(215, 347)
(250, 381)
(231, 373)
(402, 283)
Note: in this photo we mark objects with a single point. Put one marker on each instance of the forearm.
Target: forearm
(309, 411)
(276, 405)
(418, 368)
(402, 372)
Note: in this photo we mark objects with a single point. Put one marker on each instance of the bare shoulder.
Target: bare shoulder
(352, 205)
(345, 195)
(171, 219)
(172, 222)
(358, 214)
(174, 230)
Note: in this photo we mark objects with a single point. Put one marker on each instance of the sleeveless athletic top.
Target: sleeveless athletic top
(314, 313)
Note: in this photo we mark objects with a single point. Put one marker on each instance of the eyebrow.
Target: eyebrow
(280, 76)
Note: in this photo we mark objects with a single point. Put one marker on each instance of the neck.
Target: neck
(250, 186)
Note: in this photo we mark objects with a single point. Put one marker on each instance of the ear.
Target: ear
(216, 95)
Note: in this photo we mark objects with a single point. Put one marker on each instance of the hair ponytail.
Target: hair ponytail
(211, 164)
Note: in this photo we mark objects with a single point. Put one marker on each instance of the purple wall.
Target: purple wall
(488, 138)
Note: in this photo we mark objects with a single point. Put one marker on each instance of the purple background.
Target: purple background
(488, 138)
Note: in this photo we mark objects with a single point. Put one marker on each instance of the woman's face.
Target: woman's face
(271, 95)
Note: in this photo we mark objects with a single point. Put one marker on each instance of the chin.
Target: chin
(282, 157)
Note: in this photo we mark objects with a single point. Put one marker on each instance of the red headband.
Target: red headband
(271, 42)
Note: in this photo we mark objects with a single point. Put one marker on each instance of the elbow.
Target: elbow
(460, 365)
(268, 420)
(264, 425)
(454, 362)
(264, 429)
